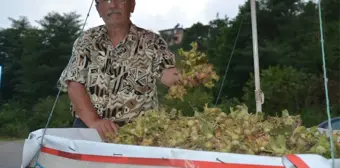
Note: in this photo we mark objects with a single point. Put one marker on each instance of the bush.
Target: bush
(13, 121)
(196, 98)
(61, 115)
(285, 88)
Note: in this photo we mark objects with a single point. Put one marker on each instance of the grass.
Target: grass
(2, 139)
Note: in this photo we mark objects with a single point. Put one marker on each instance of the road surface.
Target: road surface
(10, 154)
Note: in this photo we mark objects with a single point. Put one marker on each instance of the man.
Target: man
(111, 76)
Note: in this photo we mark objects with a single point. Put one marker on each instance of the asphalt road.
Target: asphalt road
(10, 154)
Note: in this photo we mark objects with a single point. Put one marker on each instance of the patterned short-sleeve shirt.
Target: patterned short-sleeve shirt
(121, 80)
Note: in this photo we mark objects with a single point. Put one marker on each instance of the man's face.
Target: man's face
(115, 12)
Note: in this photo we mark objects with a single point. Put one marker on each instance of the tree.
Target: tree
(46, 53)
(197, 33)
(11, 49)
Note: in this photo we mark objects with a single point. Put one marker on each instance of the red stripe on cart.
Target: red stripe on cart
(150, 161)
(297, 161)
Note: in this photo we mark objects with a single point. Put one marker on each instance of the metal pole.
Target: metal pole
(259, 98)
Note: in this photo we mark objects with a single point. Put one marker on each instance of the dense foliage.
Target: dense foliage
(290, 61)
(237, 132)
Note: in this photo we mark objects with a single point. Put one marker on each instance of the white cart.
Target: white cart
(83, 148)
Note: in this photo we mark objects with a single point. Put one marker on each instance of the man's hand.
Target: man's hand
(84, 109)
(171, 77)
(104, 127)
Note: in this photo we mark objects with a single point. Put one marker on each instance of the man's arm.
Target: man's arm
(82, 103)
(164, 63)
(86, 112)
(73, 79)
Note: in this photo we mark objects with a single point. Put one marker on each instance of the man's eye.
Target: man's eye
(109, 1)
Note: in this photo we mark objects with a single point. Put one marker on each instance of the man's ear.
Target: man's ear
(98, 10)
(132, 5)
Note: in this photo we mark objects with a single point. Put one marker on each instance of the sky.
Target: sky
(150, 14)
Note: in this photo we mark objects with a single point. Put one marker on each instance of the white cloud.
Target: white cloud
(150, 14)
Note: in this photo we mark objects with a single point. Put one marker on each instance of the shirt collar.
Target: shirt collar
(132, 32)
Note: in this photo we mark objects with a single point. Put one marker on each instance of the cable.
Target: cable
(87, 16)
(56, 100)
(326, 87)
(231, 56)
(57, 97)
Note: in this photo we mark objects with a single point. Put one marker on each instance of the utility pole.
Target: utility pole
(259, 97)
